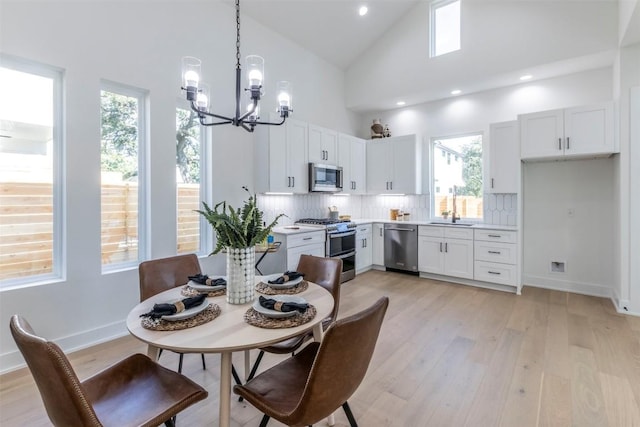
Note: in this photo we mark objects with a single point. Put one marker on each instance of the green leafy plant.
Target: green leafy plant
(237, 228)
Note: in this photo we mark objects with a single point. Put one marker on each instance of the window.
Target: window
(122, 149)
(188, 178)
(30, 172)
(460, 179)
(445, 27)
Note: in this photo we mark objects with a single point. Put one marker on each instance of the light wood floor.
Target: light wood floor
(448, 355)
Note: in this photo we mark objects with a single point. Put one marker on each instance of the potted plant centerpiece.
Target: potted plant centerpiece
(237, 232)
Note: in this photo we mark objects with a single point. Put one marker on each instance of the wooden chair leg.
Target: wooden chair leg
(264, 421)
(347, 410)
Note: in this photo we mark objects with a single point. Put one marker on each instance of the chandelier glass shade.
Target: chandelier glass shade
(199, 95)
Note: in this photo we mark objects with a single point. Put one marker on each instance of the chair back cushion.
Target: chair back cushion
(159, 275)
(326, 273)
(62, 393)
(341, 362)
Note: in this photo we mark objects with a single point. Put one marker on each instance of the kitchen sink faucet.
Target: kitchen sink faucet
(454, 214)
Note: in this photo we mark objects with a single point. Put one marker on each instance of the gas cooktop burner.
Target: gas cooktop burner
(321, 221)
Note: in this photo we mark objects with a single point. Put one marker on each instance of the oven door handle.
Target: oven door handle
(347, 255)
(344, 234)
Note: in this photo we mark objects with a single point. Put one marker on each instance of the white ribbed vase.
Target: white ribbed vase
(241, 275)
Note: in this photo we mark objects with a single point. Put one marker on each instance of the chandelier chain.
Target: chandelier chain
(238, 34)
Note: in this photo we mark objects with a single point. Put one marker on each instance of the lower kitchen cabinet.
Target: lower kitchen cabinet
(496, 257)
(377, 249)
(446, 251)
(364, 246)
(292, 247)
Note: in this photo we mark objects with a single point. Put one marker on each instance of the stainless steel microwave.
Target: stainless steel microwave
(325, 178)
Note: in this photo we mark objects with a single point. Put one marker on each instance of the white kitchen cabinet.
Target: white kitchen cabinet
(292, 247)
(569, 133)
(496, 256)
(364, 246)
(393, 165)
(352, 156)
(445, 250)
(323, 145)
(377, 247)
(504, 158)
(280, 158)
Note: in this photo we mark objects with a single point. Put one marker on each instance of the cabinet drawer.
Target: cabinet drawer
(496, 236)
(425, 230)
(495, 252)
(364, 229)
(453, 232)
(293, 255)
(305, 239)
(496, 273)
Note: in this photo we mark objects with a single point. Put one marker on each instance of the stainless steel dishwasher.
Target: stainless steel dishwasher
(401, 247)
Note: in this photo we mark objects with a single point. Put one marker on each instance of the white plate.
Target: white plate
(187, 313)
(285, 285)
(275, 313)
(206, 288)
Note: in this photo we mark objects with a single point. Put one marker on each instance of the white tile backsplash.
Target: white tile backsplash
(499, 209)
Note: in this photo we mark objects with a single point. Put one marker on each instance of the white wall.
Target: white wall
(585, 241)
(499, 38)
(140, 44)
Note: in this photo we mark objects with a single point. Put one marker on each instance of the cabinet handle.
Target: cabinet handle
(493, 272)
(391, 185)
(559, 143)
(307, 238)
(380, 231)
(288, 181)
(491, 182)
(293, 178)
(440, 246)
(493, 235)
(567, 143)
(446, 247)
(494, 252)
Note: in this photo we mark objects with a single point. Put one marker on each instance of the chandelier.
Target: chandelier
(197, 93)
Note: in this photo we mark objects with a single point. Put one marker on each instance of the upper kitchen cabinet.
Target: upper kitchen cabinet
(352, 156)
(323, 145)
(281, 158)
(570, 133)
(504, 158)
(393, 165)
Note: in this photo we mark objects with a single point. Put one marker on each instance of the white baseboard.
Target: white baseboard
(592, 289)
(13, 360)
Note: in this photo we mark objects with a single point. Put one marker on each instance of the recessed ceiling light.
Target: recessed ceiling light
(526, 77)
(363, 10)
(456, 92)
(400, 103)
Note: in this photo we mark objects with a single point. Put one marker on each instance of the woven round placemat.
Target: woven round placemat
(206, 315)
(188, 291)
(264, 288)
(254, 318)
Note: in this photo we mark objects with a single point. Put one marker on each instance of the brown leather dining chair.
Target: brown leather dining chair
(133, 392)
(159, 275)
(321, 377)
(324, 272)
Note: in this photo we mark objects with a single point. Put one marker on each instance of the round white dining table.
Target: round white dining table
(225, 334)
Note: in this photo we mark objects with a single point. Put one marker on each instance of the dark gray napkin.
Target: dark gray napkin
(203, 279)
(168, 309)
(284, 307)
(286, 277)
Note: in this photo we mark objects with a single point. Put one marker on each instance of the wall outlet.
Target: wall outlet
(558, 266)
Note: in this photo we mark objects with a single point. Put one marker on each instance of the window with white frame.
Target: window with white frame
(457, 176)
(122, 148)
(444, 27)
(189, 176)
(31, 188)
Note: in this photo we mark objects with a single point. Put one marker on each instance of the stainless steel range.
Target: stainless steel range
(340, 242)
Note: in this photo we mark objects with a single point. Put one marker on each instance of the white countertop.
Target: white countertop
(295, 229)
(474, 226)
